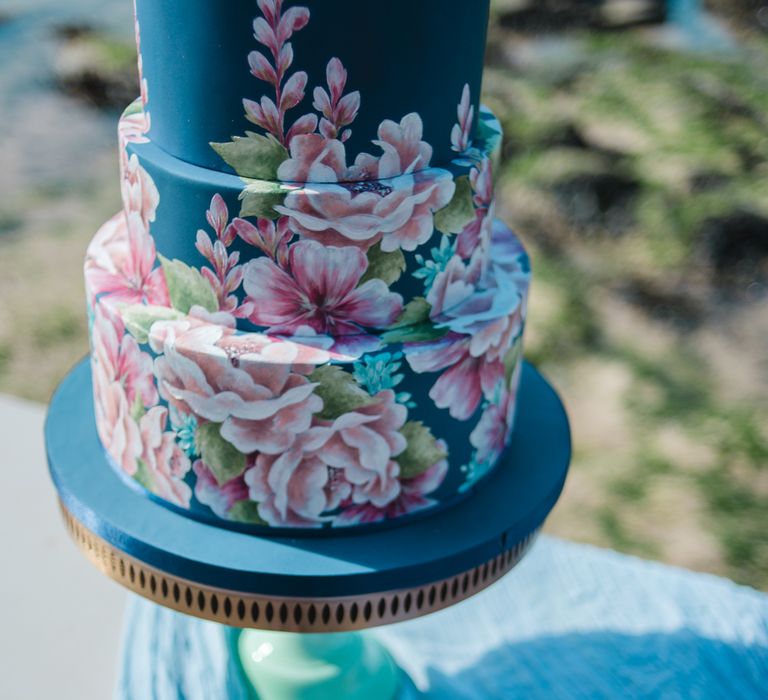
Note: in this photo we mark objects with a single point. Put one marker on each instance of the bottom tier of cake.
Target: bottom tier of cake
(264, 432)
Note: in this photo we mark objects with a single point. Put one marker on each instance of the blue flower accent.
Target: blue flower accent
(185, 427)
(378, 372)
(432, 268)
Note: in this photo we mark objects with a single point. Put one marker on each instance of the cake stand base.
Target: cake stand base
(290, 666)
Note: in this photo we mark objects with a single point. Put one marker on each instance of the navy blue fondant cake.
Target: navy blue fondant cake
(306, 315)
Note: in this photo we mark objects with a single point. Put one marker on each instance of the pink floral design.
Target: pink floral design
(404, 151)
(224, 275)
(412, 497)
(296, 487)
(483, 303)
(494, 429)
(481, 179)
(319, 290)
(347, 460)
(270, 237)
(398, 211)
(461, 133)
(120, 262)
(132, 128)
(315, 159)
(140, 195)
(363, 444)
(466, 378)
(338, 110)
(249, 386)
(273, 31)
(122, 379)
(219, 498)
(165, 461)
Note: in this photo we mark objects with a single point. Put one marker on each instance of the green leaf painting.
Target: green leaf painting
(414, 325)
(246, 512)
(384, 266)
(460, 210)
(339, 391)
(187, 287)
(253, 156)
(259, 198)
(138, 319)
(422, 451)
(220, 456)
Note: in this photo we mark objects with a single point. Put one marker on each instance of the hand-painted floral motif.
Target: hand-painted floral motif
(320, 289)
(165, 462)
(120, 263)
(123, 383)
(461, 134)
(261, 403)
(273, 31)
(219, 498)
(482, 302)
(412, 498)
(393, 199)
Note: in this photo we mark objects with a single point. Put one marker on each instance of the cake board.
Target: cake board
(308, 585)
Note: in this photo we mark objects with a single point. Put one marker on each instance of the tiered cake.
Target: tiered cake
(306, 316)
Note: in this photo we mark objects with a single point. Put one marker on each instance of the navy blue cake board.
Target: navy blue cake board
(316, 584)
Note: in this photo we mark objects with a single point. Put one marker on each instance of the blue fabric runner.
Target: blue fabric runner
(571, 621)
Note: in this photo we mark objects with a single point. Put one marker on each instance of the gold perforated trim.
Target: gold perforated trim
(288, 614)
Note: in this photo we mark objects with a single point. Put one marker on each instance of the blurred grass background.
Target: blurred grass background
(635, 167)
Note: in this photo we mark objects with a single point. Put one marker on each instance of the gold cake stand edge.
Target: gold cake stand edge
(288, 614)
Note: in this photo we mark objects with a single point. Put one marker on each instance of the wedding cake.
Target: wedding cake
(306, 315)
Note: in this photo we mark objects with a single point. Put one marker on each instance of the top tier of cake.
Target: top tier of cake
(218, 69)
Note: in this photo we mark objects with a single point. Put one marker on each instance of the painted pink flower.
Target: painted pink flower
(296, 487)
(315, 159)
(219, 498)
(338, 110)
(483, 304)
(273, 30)
(118, 431)
(404, 151)
(261, 399)
(413, 497)
(481, 179)
(120, 262)
(494, 429)
(363, 444)
(132, 128)
(319, 290)
(466, 378)
(398, 212)
(140, 195)
(122, 380)
(346, 460)
(165, 461)
(271, 237)
(481, 297)
(119, 357)
(391, 199)
(462, 130)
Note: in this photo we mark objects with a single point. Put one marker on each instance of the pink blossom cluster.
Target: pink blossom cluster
(258, 389)
(130, 423)
(461, 133)
(370, 201)
(224, 274)
(482, 302)
(273, 30)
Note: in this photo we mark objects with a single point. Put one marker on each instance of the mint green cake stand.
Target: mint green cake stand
(303, 602)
